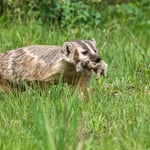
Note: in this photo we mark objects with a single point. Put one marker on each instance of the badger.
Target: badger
(76, 61)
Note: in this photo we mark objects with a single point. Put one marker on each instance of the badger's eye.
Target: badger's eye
(95, 51)
(85, 52)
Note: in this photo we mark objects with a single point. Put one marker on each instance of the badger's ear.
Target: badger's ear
(93, 40)
(67, 49)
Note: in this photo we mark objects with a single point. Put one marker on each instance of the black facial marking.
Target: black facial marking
(85, 52)
(68, 50)
(76, 56)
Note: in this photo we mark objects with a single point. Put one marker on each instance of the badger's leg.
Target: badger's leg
(85, 91)
(4, 85)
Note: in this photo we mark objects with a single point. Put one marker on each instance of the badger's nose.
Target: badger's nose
(98, 60)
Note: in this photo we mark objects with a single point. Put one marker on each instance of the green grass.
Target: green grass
(116, 118)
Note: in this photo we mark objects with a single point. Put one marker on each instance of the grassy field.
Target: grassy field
(116, 118)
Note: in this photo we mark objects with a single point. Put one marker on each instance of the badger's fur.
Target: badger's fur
(75, 61)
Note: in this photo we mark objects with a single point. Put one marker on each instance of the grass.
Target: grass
(116, 118)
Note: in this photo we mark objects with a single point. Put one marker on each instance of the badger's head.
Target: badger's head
(84, 55)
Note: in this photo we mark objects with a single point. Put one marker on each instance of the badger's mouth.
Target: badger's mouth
(86, 65)
(99, 68)
(90, 65)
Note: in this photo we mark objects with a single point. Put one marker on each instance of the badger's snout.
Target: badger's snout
(94, 58)
(98, 59)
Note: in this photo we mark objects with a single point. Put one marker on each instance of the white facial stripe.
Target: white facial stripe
(94, 46)
(91, 50)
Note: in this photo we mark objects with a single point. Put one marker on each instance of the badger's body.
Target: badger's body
(31, 63)
(74, 61)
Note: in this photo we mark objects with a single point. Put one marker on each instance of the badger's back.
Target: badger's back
(28, 63)
(46, 53)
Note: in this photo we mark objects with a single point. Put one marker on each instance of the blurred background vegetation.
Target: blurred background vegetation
(76, 13)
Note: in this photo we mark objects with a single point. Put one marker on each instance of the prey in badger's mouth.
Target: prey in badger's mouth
(100, 68)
